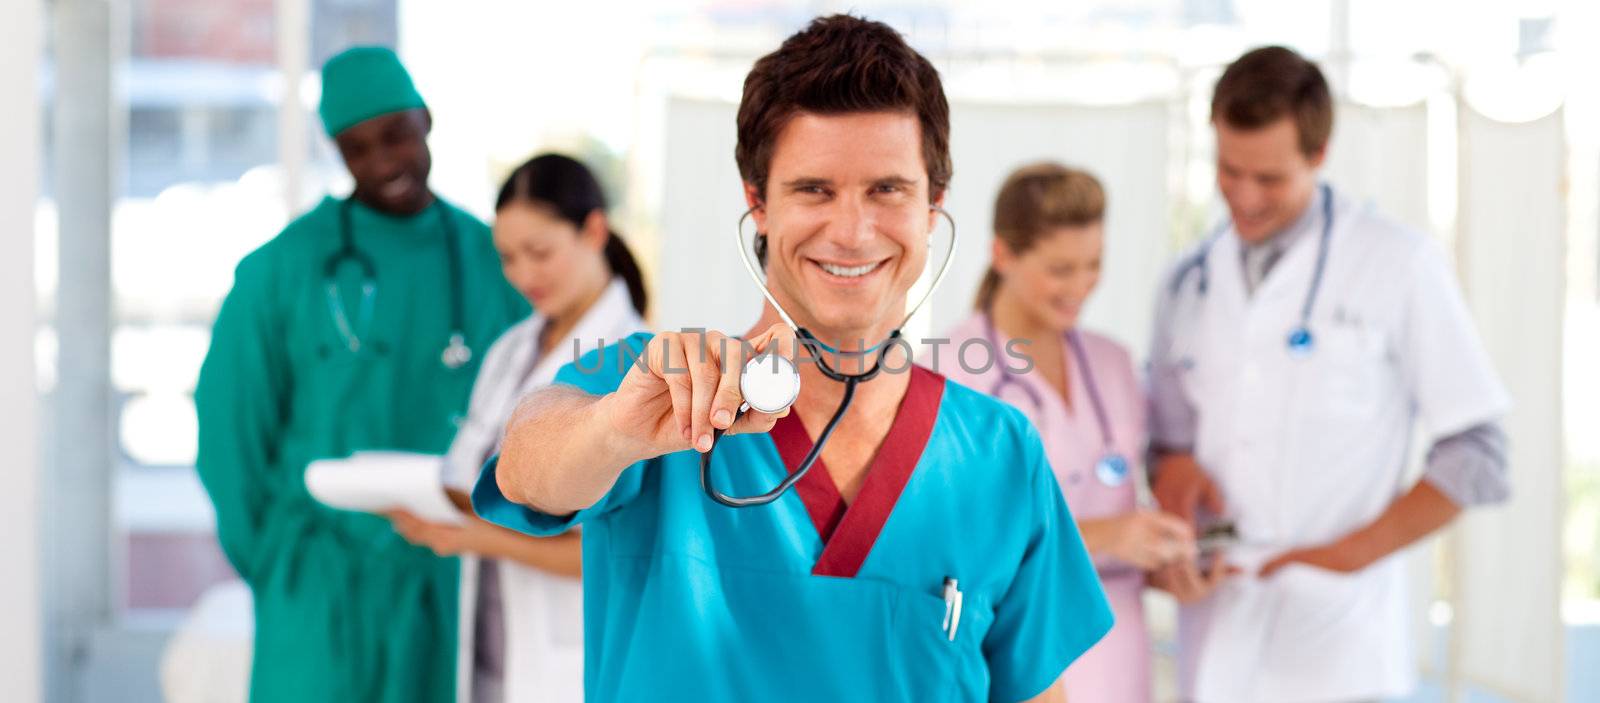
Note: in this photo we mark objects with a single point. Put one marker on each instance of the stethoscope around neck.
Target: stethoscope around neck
(1112, 466)
(1301, 343)
(770, 383)
(456, 353)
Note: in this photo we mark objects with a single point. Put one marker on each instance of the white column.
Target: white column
(293, 33)
(77, 497)
(21, 627)
(1507, 636)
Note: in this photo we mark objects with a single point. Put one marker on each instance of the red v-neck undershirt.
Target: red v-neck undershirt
(849, 531)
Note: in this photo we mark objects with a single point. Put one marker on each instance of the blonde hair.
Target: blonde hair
(1035, 200)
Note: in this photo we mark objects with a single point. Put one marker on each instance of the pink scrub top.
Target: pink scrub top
(1118, 667)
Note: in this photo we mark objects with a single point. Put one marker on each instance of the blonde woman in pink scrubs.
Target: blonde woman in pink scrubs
(1023, 345)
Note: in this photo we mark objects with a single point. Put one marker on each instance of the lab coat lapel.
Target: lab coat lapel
(1222, 636)
(608, 320)
(544, 658)
(1216, 331)
(1287, 282)
(494, 389)
(1227, 292)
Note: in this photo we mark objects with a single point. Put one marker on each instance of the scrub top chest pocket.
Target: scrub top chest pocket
(888, 642)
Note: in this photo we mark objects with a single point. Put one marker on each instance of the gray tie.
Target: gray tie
(1258, 262)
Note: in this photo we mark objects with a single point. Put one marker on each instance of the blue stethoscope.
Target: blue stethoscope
(1112, 467)
(1300, 342)
(456, 353)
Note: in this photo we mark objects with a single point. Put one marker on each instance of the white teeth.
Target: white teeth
(396, 187)
(848, 271)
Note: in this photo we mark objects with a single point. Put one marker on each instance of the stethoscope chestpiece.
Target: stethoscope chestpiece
(1112, 469)
(769, 383)
(456, 354)
(1301, 342)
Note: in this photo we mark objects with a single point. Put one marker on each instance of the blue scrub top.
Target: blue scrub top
(806, 599)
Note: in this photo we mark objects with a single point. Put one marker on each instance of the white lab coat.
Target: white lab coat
(543, 612)
(1306, 449)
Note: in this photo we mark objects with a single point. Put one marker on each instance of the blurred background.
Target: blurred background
(149, 144)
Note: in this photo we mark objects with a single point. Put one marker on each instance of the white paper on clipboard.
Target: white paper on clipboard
(375, 482)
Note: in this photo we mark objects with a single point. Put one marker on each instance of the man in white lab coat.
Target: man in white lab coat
(1295, 351)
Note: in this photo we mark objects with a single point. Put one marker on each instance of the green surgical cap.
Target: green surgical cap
(362, 83)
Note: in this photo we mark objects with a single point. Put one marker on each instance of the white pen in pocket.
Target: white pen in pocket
(952, 607)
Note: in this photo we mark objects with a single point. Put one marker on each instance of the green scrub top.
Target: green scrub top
(344, 608)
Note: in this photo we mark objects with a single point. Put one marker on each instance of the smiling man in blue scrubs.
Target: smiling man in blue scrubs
(845, 587)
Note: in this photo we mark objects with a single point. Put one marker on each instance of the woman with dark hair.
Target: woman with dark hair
(521, 625)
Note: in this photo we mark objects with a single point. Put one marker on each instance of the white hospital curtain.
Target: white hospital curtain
(1380, 155)
(1508, 636)
(1125, 146)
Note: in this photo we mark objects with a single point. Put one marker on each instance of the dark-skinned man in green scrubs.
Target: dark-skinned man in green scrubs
(358, 327)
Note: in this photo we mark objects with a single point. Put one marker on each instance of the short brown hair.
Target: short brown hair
(1270, 83)
(1034, 201)
(836, 65)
